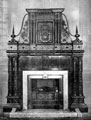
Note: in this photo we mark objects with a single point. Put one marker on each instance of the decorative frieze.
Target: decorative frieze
(12, 47)
(45, 47)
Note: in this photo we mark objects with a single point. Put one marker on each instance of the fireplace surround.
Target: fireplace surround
(45, 75)
(45, 52)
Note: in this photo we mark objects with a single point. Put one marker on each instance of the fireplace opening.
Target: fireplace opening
(45, 93)
(45, 90)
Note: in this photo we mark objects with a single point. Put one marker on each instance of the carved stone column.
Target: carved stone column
(82, 106)
(78, 97)
(16, 76)
(15, 60)
(80, 79)
(10, 73)
(74, 76)
(74, 96)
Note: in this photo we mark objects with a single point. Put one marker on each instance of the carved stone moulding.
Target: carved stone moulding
(45, 47)
(45, 10)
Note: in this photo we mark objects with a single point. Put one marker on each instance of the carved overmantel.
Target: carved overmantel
(45, 43)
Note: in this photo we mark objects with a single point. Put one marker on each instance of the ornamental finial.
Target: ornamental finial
(13, 33)
(76, 29)
(77, 34)
(13, 36)
(77, 40)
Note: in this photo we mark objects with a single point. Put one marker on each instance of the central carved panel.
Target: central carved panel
(45, 32)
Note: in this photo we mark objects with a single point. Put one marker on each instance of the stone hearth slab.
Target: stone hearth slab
(43, 114)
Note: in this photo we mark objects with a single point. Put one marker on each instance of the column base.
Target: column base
(8, 107)
(82, 107)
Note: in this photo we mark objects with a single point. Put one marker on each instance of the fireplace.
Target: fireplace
(45, 89)
(45, 66)
(45, 94)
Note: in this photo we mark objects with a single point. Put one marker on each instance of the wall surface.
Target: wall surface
(3, 46)
(78, 13)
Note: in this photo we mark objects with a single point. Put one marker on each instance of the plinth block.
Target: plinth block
(8, 107)
(82, 107)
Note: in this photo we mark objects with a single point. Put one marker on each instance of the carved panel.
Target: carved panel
(33, 47)
(44, 47)
(12, 47)
(45, 62)
(46, 16)
(66, 47)
(45, 32)
(57, 47)
(24, 36)
(65, 37)
(24, 47)
(77, 47)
